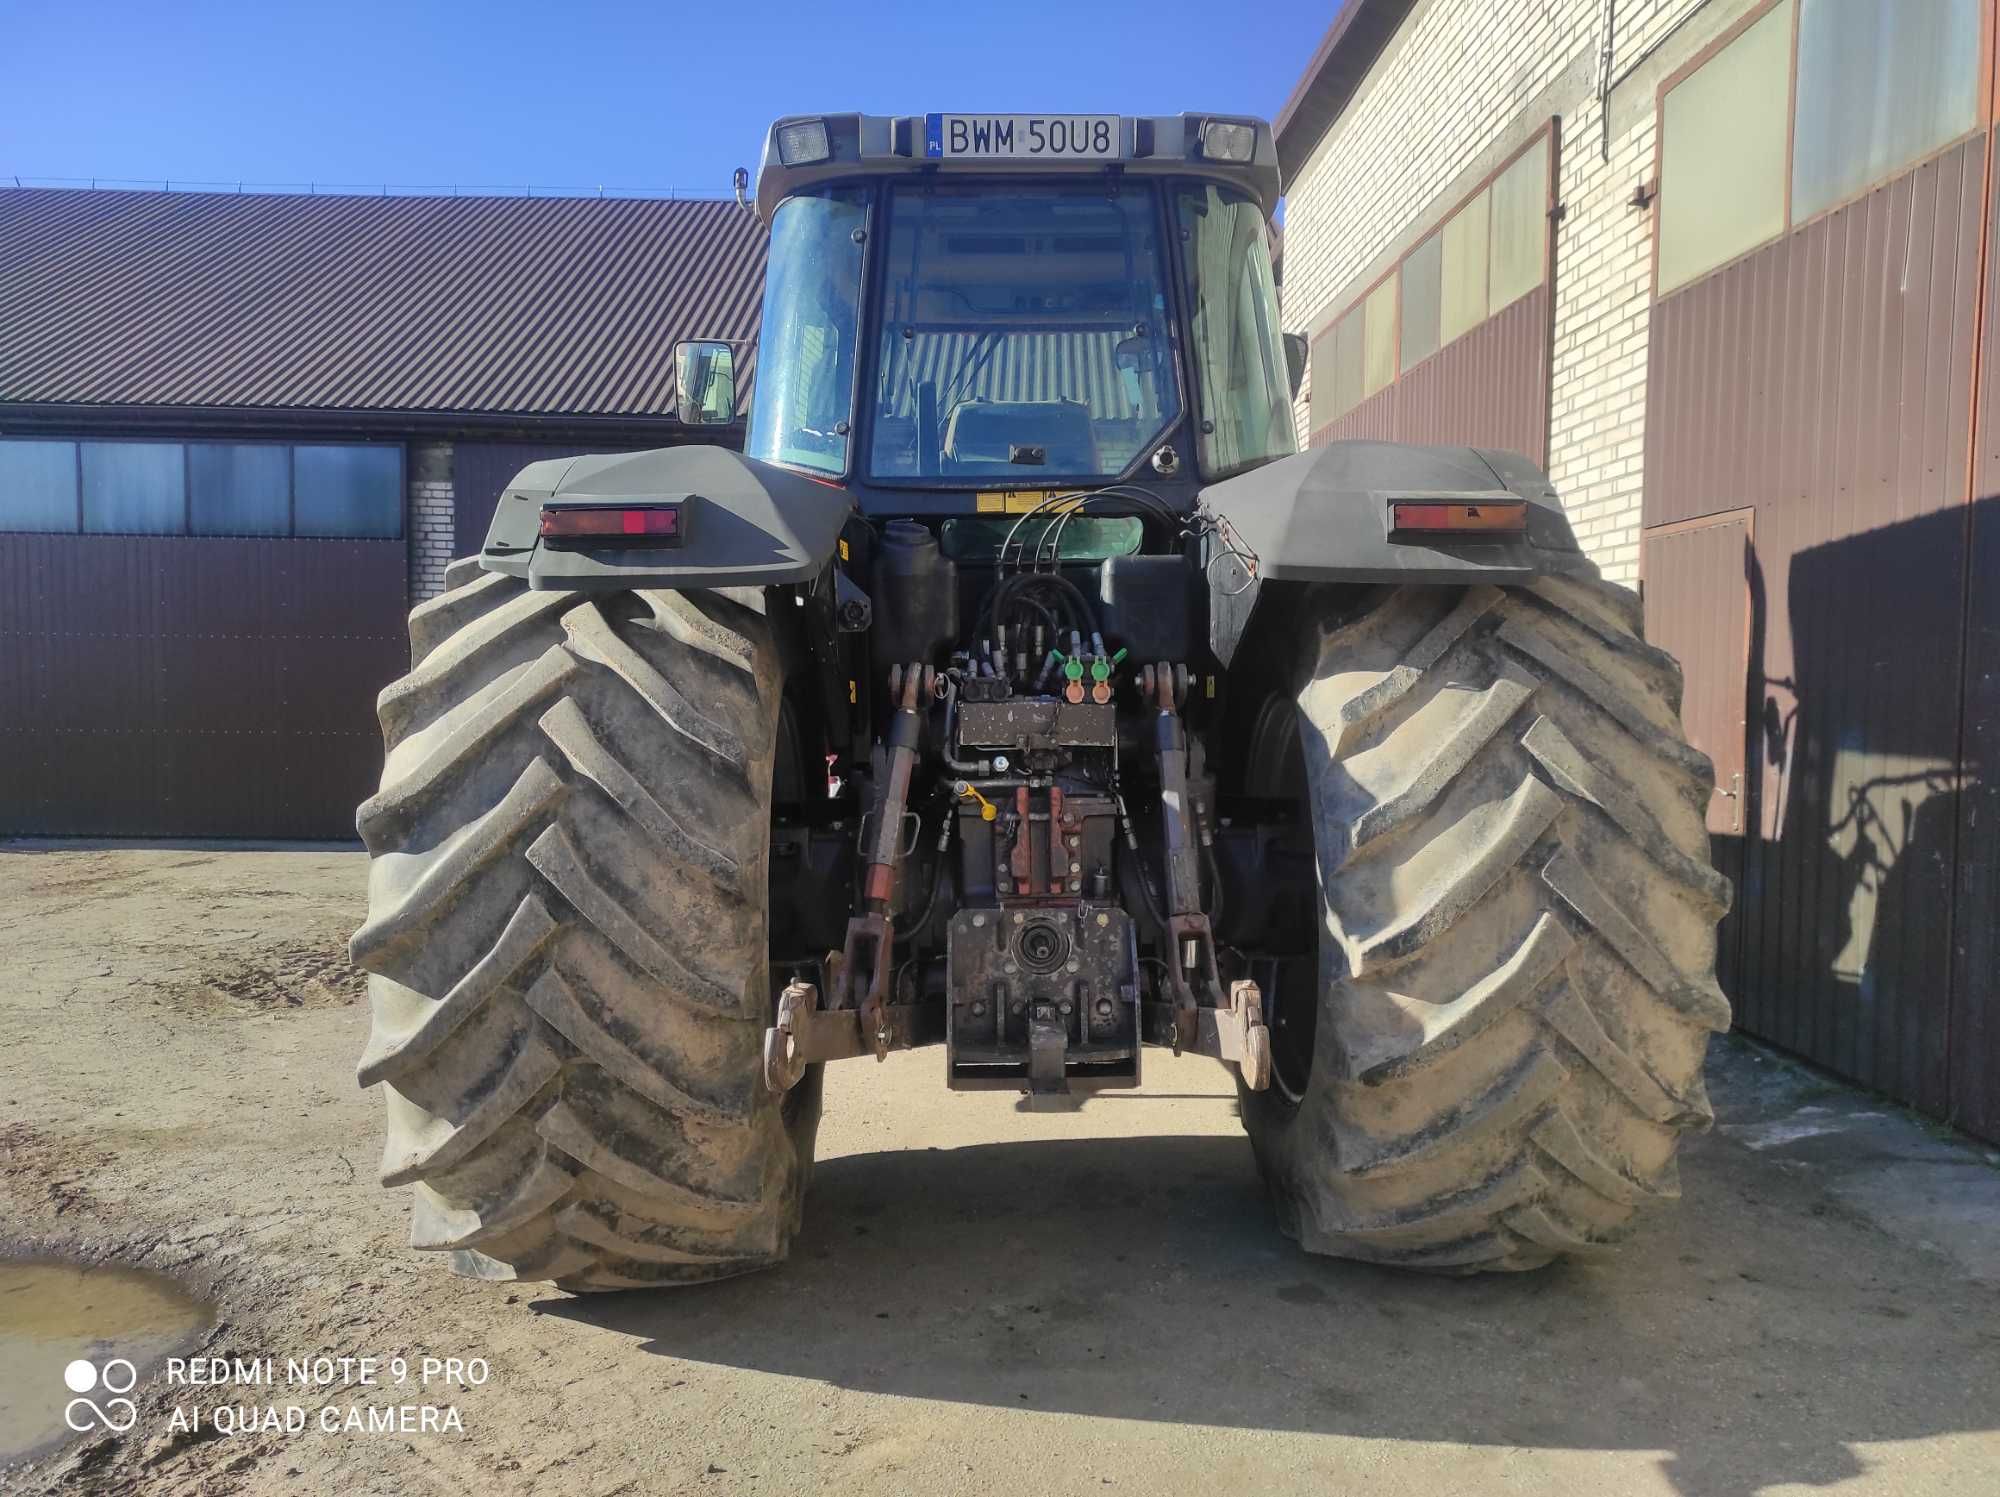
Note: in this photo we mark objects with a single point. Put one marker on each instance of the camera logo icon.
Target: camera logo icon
(116, 1376)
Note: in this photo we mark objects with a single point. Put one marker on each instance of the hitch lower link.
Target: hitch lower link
(861, 1018)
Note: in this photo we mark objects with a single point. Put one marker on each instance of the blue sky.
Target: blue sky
(623, 96)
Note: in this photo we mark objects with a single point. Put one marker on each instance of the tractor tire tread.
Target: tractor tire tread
(566, 938)
(1518, 966)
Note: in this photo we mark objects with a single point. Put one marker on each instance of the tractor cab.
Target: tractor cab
(965, 305)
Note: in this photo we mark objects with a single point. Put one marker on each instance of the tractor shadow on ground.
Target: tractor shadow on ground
(1754, 1337)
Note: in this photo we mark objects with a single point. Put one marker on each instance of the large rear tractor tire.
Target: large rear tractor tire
(1516, 973)
(566, 935)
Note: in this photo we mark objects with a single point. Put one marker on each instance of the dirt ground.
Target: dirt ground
(982, 1297)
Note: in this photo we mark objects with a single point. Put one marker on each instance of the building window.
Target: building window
(1422, 298)
(1722, 152)
(202, 488)
(1378, 338)
(38, 486)
(1882, 83)
(1464, 300)
(134, 488)
(1357, 357)
(235, 488)
(1489, 252)
(1319, 383)
(1349, 355)
(1339, 357)
(347, 491)
(1519, 239)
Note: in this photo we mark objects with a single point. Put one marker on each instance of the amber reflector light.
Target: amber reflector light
(1433, 516)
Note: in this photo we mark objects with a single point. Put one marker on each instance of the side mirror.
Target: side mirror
(1133, 358)
(704, 382)
(1295, 360)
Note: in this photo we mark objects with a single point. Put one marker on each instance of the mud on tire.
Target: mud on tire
(566, 937)
(1517, 966)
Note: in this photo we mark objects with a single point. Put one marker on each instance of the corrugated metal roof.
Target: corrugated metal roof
(484, 305)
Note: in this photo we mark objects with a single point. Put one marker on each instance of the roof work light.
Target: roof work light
(1228, 140)
(802, 142)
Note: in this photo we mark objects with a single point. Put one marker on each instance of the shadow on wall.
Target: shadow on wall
(1859, 875)
(1142, 1278)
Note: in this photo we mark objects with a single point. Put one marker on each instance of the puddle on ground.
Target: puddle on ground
(53, 1313)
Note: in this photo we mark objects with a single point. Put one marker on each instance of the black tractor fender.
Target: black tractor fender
(1325, 516)
(737, 522)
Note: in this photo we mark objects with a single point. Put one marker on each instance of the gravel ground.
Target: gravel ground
(982, 1297)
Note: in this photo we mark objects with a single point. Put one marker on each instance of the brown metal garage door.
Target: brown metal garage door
(1698, 610)
(186, 687)
(161, 677)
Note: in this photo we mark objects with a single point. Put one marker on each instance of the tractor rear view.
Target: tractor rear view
(1021, 690)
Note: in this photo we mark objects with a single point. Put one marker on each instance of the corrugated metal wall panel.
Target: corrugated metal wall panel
(1825, 382)
(1796, 375)
(1374, 420)
(1489, 388)
(194, 687)
(1975, 1007)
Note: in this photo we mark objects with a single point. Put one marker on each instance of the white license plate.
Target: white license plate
(1024, 137)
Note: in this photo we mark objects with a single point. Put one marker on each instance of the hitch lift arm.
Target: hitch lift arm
(1198, 1014)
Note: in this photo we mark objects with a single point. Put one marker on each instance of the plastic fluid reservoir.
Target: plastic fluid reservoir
(915, 596)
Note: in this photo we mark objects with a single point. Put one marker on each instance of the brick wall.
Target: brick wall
(1457, 89)
(1604, 286)
(432, 519)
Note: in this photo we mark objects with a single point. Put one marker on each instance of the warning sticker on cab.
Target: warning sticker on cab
(1018, 501)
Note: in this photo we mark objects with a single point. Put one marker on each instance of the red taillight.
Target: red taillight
(1431, 516)
(657, 523)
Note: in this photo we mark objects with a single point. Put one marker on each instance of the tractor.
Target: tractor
(1022, 689)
